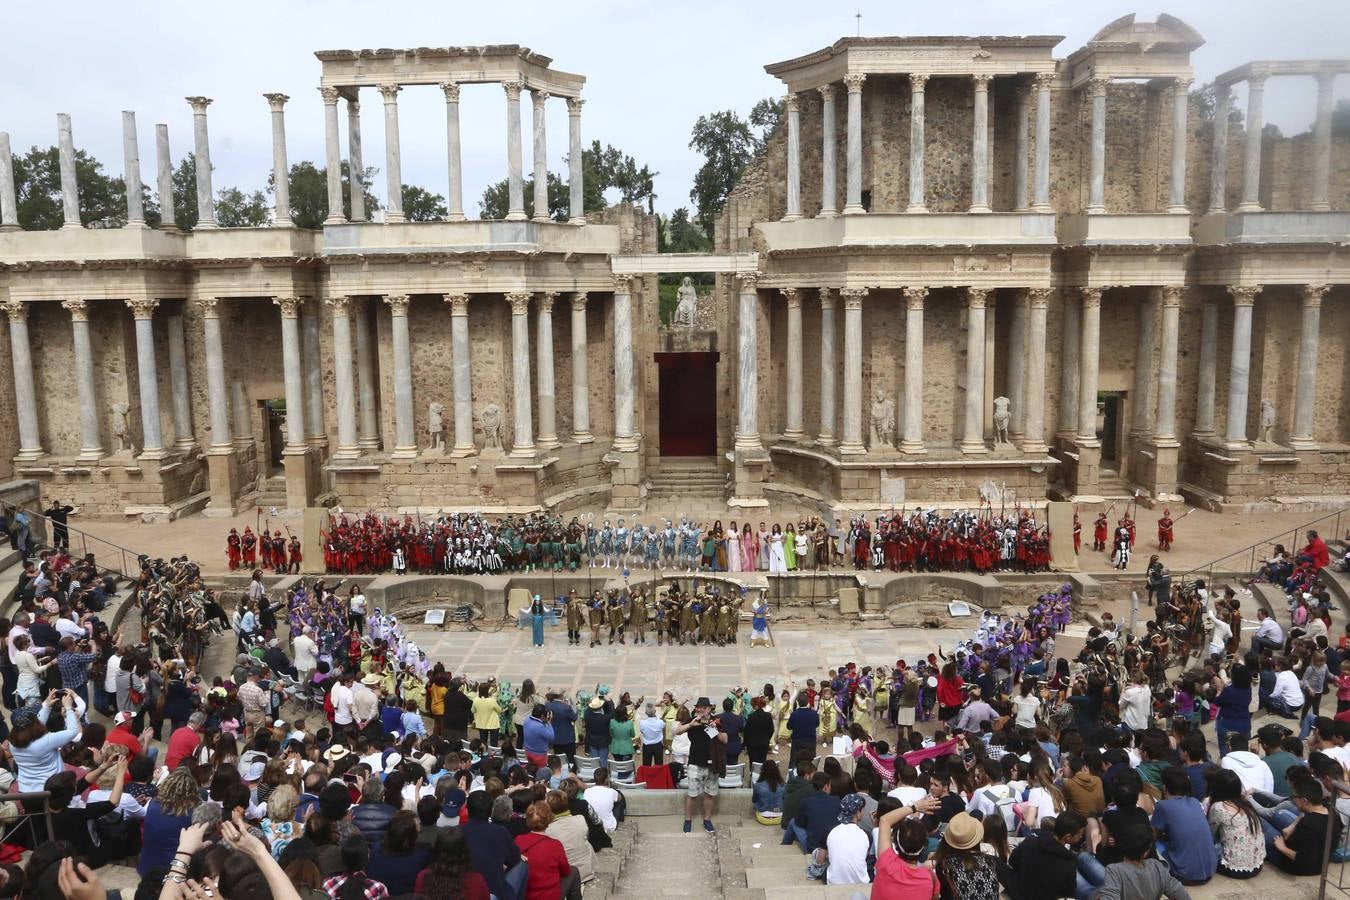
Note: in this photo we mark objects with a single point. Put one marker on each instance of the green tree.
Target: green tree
(421, 205)
(37, 187)
(606, 168)
(727, 143)
(309, 193)
(496, 200)
(765, 115)
(185, 193)
(238, 209)
(1340, 117)
(683, 236)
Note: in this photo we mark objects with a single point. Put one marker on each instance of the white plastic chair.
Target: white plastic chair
(734, 778)
(622, 771)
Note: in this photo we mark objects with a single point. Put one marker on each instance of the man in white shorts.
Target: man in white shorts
(702, 729)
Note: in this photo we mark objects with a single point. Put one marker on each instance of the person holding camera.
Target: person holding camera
(703, 731)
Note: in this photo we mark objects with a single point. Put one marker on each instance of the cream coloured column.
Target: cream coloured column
(1069, 368)
(828, 164)
(1040, 191)
(242, 411)
(293, 369)
(344, 383)
(355, 165)
(522, 443)
(1020, 148)
(1239, 366)
(181, 402)
(1218, 175)
(912, 435)
(206, 198)
(1033, 439)
(917, 82)
(979, 147)
(1089, 343)
(91, 443)
(576, 171)
(312, 366)
(1145, 334)
(825, 436)
(1165, 418)
(625, 438)
(332, 158)
(164, 179)
(70, 188)
(405, 432)
(538, 99)
(393, 161)
(455, 192)
(9, 204)
(1251, 155)
(851, 440)
(147, 377)
(853, 186)
(543, 341)
(1097, 164)
(367, 390)
(1181, 102)
(281, 182)
(463, 374)
(1321, 202)
(793, 430)
(581, 395)
(515, 178)
(972, 431)
(25, 397)
(217, 395)
(1305, 395)
(1209, 365)
(794, 159)
(1017, 368)
(131, 156)
(747, 357)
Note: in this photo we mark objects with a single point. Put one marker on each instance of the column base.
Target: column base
(392, 218)
(335, 219)
(1095, 210)
(541, 219)
(404, 453)
(90, 455)
(184, 446)
(583, 437)
(794, 434)
(826, 440)
(369, 444)
(516, 215)
(1320, 206)
(1042, 208)
(749, 443)
(548, 443)
(1237, 445)
(523, 452)
(982, 208)
(206, 226)
(346, 454)
(625, 444)
(855, 210)
(827, 214)
(918, 209)
(1303, 444)
(913, 448)
(1249, 206)
(153, 454)
(791, 218)
(973, 447)
(577, 220)
(72, 226)
(1090, 443)
(462, 452)
(5, 228)
(456, 217)
(852, 449)
(1039, 447)
(1178, 211)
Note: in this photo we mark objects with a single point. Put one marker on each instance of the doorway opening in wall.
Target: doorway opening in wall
(687, 395)
(274, 414)
(1110, 405)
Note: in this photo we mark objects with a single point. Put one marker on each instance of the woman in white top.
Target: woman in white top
(777, 559)
(734, 563)
(29, 688)
(1027, 705)
(1044, 799)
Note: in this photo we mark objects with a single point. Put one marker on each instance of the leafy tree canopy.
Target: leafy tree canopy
(37, 187)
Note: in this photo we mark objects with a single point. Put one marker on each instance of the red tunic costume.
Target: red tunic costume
(1099, 533)
(1165, 530)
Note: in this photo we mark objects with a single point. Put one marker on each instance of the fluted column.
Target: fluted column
(576, 170)
(1021, 148)
(1089, 342)
(912, 434)
(747, 355)
(1165, 418)
(1321, 186)
(455, 192)
(1145, 328)
(356, 169)
(179, 395)
(515, 178)
(1069, 368)
(293, 369)
(1251, 153)
(131, 157)
(1239, 366)
(793, 430)
(625, 438)
(405, 432)
(147, 376)
(281, 170)
(206, 198)
(794, 160)
(538, 100)
(344, 382)
(70, 187)
(581, 395)
(1033, 439)
(1040, 191)
(462, 372)
(217, 396)
(1209, 365)
(91, 443)
(972, 431)
(367, 391)
(1181, 104)
(828, 368)
(1305, 395)
(1218, 175)
(543, 340)
(332, 151)
(393, 160)
(828, 164)
(1017, 367)
(9, 204)
(853, 188)
(851, 439)
(917, 82)
(979, 147)
(25, 397)
(164, 179)
(1097, 163)
(523, 440)
(312, 366)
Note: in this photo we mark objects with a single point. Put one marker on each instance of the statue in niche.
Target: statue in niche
(686, 308)
(1267, 421)
(883, 421)
(1002, 416)
(121, 428)
(435, 427)
(491, 421)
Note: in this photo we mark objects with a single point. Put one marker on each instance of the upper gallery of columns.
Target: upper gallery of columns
(488, 64)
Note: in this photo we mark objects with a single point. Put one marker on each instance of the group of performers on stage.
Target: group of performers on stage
(1122, 538)
(278, 554)
(697, 617)
(964, 541)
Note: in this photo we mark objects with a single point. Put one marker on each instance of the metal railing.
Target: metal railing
(1248, 559)
(109, 557)
(29, 813)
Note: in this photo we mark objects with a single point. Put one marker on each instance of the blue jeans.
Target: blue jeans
(600, 753)
(1272, 827)
(1091, 876)
(798, 835)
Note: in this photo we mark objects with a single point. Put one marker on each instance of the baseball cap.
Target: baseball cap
(453, 803)
(122, 718)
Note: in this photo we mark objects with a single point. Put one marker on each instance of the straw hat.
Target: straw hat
(963, 832)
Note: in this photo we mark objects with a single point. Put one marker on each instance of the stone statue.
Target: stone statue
(434, 426)
(687, 308)
(1267, 421)
(491, 421)
(1002, 416)
(883, 421)
(121, 427)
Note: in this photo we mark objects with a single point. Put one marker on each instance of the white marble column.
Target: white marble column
(979, 147)
(91, 443)
(332, 150)
(522, 443)
(293, 370)
(1089, 343)
(147, 377)
(1218, 176)
(912, 431)
(315, 432)
(515, 178)
(367, 390)
(1165, 419)
(1145, 334)
(793, 430)
(1239, 366)
(281, 169)
(455, 193)
(1069, 367)
(1021, 148)
(1251, 151)
(164, 179)
(853, 187)
(851, 440)
(625, 438)
(25, 396)
(1097, 161)
(576, 170)
(393, 157)
(794, 159)
(243, 415)
(828, 367)
(1303, 436)
(405, 433)
(917, 83)
(581, 395)
(1209, 366)
(747, 356)
(828, 165)
(1017, 367)
(1040, 191)
(355, 164)
(179, 393)
(1321, 186)
(462, 370)
(543, 364)
(344, 381)
(1181, 105)
(538, 100)
(972, 431)
(217, 395)
(131, 157)
(206, 197)
(9, 204)
(1033, 439)
(70, 187)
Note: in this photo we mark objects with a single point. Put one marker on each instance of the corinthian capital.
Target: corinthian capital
(513, 89)
(198, 104)
(519, 301)
(579, 301)
(1039, 298)
(389, 92)
(277, 102)
(789, 102)
(339, 306)
(1097, 85)
(917, 82)
(826, 300)
(623, 284)
(331, 95)
(853, 297)
(539, 97)
(854, 82)
(1312, 294)
(1091, 296)
(17, 310)
(143, 307)
(826, 92)
(451, 91)
(459, 304)
(914, 297)
(1244, 295)
(1044, 80)
(747, 280)
(976, 297)
(574, 105)
(982, 80)
(208, 307)
(397, 303)
(790, 295)
(290, 306)
(78, 309)
(1171, 295)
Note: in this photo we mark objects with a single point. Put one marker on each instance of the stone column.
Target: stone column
(1251, 156)
(543, 349)
(747, 360)
(1021, 147)
(462, 371)
(164, 179)
(514, 166)
(979, 147)
(9, 204)
(206, 198)
(581, 397)
(851, 441)
(1181, 104)
(576, 187)
(523, 440)
(344, 383)
(1218, 176)
(825, 436)
(70, 187)
(912, 433)
(828, 166)
(217, 396)
(293, 367)
(972, 432)
(1068, 368)
(538, 99)
(281, 169)
(1305, 396)
(625, 439)
(1017, 367)
(393, 162)
(1141, 420)
(794, 159)
(315, 432)
(917, 82)
(367, 390)
(1239, 366)
(853, 199)
(333, 157)
(1321, 202)
(147, 376)
(131, 156)
(178, 383)
(1165, 418)
(405, 433)
(793, 430)
(91, 444)
(355, 165)
(243, 415)
(1089, 343)
(1097, 167)
(25, 397)
(1209, 364)
(1040, 200)
(1033, 440)
(455, 193)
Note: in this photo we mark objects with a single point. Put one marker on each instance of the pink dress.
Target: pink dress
(750, 550)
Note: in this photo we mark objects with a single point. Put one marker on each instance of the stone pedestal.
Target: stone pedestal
(748, 477)
(1158, 467)
(222, 465)
(625, 479)
(300, 482)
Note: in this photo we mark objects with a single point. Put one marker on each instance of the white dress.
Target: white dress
(777, 562)
(734, 552)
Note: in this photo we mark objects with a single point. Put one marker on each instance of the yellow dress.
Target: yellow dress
(829, 718)
(784, 710)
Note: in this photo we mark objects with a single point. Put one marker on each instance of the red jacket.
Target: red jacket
(1318, 553)
(949, 692)
(548, 865)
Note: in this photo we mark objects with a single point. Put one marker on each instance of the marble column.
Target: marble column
(206, 198)
(355, 164)
(917, 82)
(972, 431)
(393, 158)
(217, 395)
(333, 157)
(853, 187)
(131, 157)
(747, 357)
(828, 165)
(576, 185)
(625, 438)
(1033, 440)
(1089, 342)
(293, 369)
(794, 159)
(70, 187)
(1145, 334)
(1097, 164)
(462, 370)
(825, 436)
(91, 443)
(147, 377)
(1040, 191)
(367, 389)
(25, 396)
(1251, 151)
(243, 415)
(1021, 148)
(9, 204)
(522, 443)
(793, 430)
(164, 179)
(581, 398)
(1068, 368)
(455, 192)
(979, 147)
(179, 395)
(1017, 367)
(1209, 365)
(1239, 366)
(312, 361)
(1303, 436)
(538, 100)
(851, 441)
(1165, 418)
(281, 169)
(912, 431)
(1321, 187)
(543, 364)
(515, 178)
(1218, 176)
(344, 382)
(1181, 104)
(405, 433)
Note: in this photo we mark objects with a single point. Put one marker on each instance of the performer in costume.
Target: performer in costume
(1077, 533)
(232, 549)
(1099, 532)
(1165, 530)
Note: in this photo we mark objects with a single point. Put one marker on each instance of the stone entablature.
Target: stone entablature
(491, 63)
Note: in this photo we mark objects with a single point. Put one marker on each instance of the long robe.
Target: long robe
(777, 560)
(790, 550)
(734, 563)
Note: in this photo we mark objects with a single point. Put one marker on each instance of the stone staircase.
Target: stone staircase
(683, 478)
(272, 492)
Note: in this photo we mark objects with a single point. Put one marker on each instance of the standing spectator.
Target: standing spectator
(759, 731)
(1234, 702)
(29, 685)
(564, 719)
(733, 726)
(536, 734)
(702, 777)
(306, 654)
(622, 735)
(652, 729)
(74, 661)
(458, 712)
(1136, 702)
(596, 721)
(257, 706)
(487, 714)
(58, 514)
(803, 724)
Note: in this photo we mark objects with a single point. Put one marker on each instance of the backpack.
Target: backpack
(1005, 804)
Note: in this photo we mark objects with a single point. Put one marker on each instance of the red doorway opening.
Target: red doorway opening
(688, 403)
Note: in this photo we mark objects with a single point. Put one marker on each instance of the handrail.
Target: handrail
(1288, 537)
(27, 814)
(130, 560)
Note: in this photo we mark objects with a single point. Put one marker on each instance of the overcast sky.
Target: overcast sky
(652, 68)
